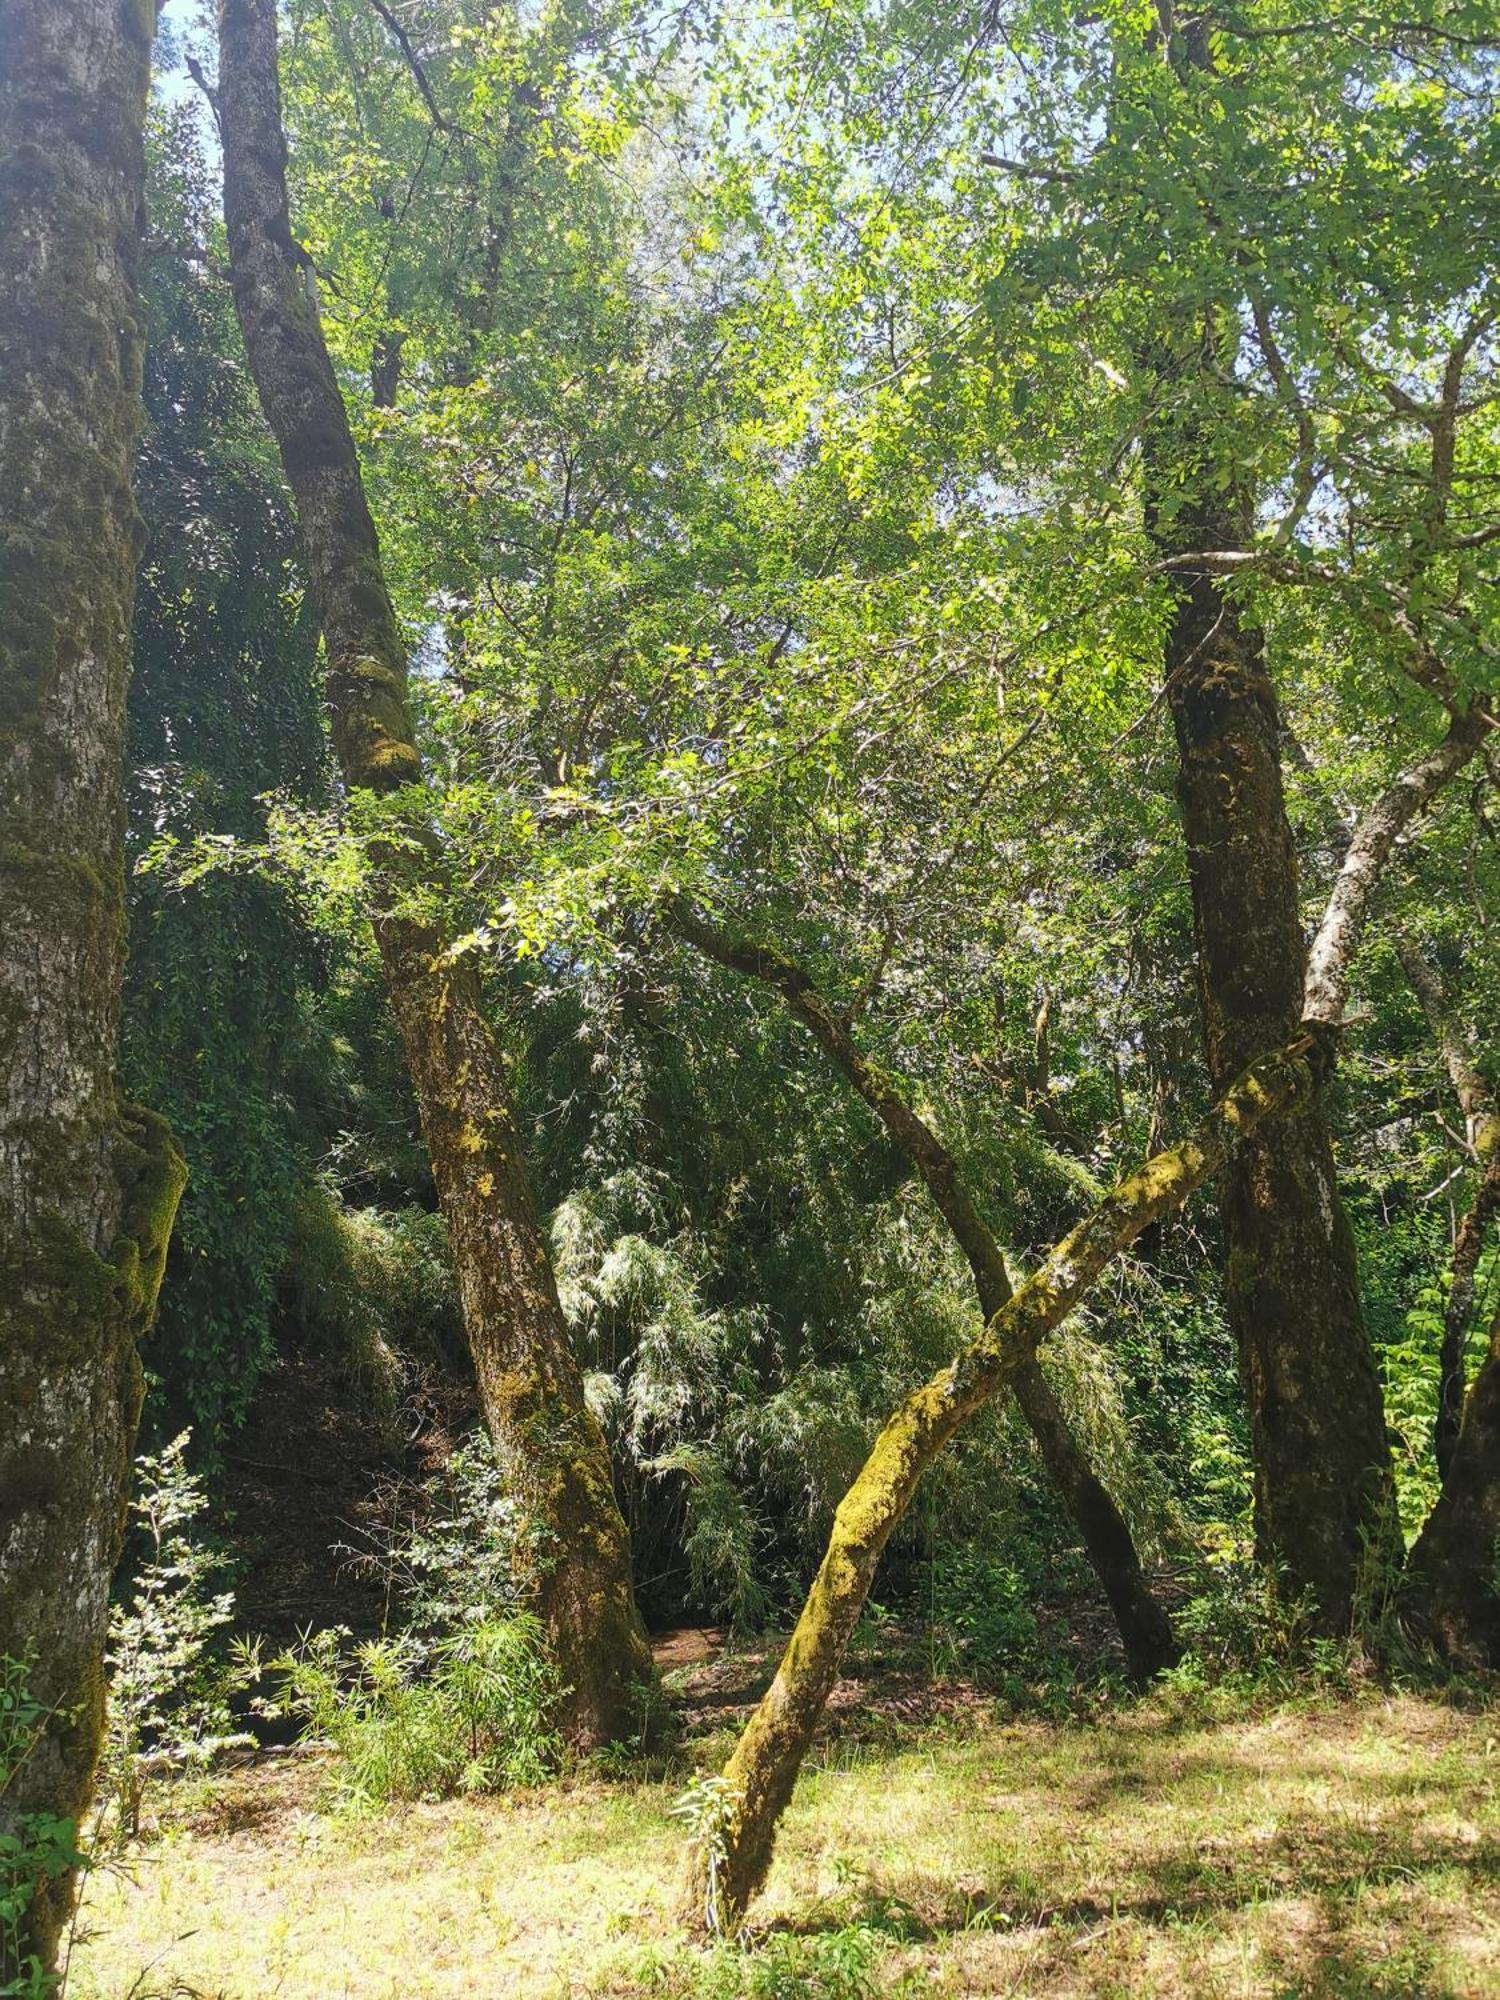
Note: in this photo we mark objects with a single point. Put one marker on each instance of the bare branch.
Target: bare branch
(1370, 847)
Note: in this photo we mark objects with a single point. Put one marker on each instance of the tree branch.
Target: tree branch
(418, 73)
(916, 1139)
(1370, 847)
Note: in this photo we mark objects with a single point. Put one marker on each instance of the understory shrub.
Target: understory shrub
(461, 1697)
(1241, 1635)
(412, 1720)
(842, 1964)
(169, 1692)
(373, 1288)
(982, 1617)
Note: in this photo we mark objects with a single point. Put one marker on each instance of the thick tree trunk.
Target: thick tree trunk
(1145, 1629)
(528, 1375)
(729, 1866)
(88, 1185)
(1323, 1487)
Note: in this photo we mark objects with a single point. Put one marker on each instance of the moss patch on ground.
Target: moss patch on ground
(1348, 1849)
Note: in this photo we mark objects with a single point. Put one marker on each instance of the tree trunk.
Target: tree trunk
(88, 1185)
(529, 1378)
(731, 1861)
(1451, 1569)
(1468, 1243)
(1482, 1125)
(1323, 1486)
(1145, 1629)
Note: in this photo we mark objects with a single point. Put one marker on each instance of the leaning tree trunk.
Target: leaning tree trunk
(731, 1857)
(1468, 1244)
(1145, 1629)
(88, 1184)
(1322, 1473)
(529, 1379)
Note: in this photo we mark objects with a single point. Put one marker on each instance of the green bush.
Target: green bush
(455, 1563)
(373, 1288)
(168, 1696)
(981, 1613)
(36, 1848)
(841, 1965)
(412, 1720)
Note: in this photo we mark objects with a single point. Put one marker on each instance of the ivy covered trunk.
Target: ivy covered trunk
(529, 1380)
(88, 1184)
(733, 1852)
(1322, 1472)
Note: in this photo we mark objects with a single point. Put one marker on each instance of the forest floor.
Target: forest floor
(1171, 1847)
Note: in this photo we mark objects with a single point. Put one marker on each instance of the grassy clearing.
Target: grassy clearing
(1336, 1849)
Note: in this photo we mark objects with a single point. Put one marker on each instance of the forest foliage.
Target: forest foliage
(757, 466)
(793, 433)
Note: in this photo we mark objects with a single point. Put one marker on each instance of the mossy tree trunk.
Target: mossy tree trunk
(728, 1868)
(529, 1379)
(1145, 1629)
(88, 1184)
(1323, 1486)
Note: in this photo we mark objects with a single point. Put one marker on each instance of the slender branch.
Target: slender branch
(1028, 170)
(211, 96)
(1482, 1125)
(418, 73)
(1469, 1086)
(917, 1140)
(1291, 395)
(1370, 847)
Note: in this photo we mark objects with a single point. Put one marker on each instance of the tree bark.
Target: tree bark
(729, 1867)
(1145, 1629)
(1322, 1475)
(529, 1380)
(1482, 1124)
(1371, 845)
(88, 1184)
(1451, 1569)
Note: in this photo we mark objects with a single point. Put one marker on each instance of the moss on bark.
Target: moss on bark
(88, 1189)
(529, 1379)
(1145, 1629)
(763, 1769)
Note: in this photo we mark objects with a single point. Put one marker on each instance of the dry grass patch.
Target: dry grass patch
(1346, 1850)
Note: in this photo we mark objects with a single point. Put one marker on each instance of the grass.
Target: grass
(1341, 1849)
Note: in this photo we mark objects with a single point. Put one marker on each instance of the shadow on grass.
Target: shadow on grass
(1312, 1879)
